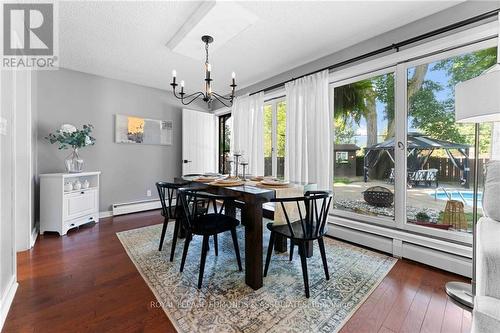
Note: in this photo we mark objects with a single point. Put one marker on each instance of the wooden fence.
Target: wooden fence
(447, 172)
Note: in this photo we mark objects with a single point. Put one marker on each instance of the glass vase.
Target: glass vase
(73, 163)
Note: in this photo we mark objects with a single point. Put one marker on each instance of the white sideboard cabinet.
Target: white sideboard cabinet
(61, 208)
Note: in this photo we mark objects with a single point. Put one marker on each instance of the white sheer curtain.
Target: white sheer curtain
(308, 130)
(248, 131)
(495, 142)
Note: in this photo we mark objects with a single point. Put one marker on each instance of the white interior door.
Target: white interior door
(199, 137)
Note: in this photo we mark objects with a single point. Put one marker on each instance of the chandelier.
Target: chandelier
(208, 96)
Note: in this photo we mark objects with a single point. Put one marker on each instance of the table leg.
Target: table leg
(252, 219)
(230, 209)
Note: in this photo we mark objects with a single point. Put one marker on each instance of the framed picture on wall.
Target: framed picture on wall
(137, 130)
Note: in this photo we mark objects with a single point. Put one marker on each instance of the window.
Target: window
(364, 124)
(274, 138)
(401, 160)
(268, 140)
(342, 157)
(440, 154)
(225, 128)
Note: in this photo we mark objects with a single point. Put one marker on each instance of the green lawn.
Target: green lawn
(341, 180)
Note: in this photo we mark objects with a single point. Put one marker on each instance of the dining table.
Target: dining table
(250, 198)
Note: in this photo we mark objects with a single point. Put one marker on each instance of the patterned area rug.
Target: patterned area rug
(226, 304)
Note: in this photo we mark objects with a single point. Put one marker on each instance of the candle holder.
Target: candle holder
(244, 164)
(229, 167)
(237, 156)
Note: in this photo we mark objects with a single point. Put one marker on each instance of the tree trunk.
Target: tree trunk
(414, 85)
(371, 120)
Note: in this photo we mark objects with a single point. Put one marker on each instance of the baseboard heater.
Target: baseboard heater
(136, 206)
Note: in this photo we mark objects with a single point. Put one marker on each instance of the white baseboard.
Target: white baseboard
(134, 207)
(6, 300)
(107, 213)
(445, 255)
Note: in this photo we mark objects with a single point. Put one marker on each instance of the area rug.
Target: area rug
(226, 304)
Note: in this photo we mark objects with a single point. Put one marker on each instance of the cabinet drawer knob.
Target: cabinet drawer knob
(82, 192)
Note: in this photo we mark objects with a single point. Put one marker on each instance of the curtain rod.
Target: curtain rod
(395, 46)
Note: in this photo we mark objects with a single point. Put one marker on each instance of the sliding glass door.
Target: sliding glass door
(439, 195)
(225, 129)
(400, 158)
(364, 160)
(274, 138)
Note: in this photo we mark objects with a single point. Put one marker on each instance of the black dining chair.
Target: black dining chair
(209, 222)
(313, 213)
(169, 210)
(173, 211)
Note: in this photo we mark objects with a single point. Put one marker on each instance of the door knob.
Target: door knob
(401, 145)
(186, 161)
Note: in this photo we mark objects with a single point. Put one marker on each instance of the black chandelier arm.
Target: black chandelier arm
(192, 96)
(175, 94)
(230, 98)
(224, 101)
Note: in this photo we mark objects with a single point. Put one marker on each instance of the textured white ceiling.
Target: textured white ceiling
(126, 40)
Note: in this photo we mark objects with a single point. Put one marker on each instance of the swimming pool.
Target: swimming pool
(466, 195)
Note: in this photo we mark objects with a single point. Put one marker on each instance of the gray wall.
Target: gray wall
(128, 170)
(446, 17)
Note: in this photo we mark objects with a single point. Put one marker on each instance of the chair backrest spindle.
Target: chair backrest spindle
(316, 205)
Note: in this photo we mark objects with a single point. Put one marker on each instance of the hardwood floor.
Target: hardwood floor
(85, 282)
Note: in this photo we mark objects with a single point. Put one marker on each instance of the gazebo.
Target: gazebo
(420, 148)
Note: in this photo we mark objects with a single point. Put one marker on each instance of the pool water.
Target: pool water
(455, 195)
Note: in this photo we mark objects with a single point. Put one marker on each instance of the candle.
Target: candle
(174, 74)
(182, 86)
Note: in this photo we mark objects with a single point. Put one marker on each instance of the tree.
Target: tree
(356, 101)
(384, 87)
(467, 66)
(434, 118)
(344, 131)
(281, 129)
(268, 130)
(437, 118)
